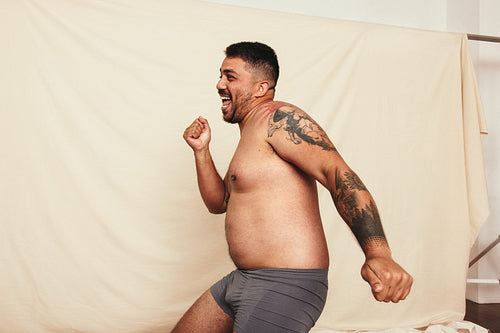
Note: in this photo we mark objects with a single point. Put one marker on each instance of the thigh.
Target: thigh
(205, 315)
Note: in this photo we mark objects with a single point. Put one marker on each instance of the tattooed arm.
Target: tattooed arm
(298, 139)
(356, 206)
(299, 132)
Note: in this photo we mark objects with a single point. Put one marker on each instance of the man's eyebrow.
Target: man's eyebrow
(228, 71)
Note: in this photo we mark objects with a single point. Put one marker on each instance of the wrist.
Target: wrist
(202, 152)
(377, 248)
(202, 155)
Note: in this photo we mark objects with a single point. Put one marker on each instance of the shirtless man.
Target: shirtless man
(273, 224)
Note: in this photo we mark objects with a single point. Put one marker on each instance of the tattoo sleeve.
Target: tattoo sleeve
(300, 128)
(358, 209)
(352, 199)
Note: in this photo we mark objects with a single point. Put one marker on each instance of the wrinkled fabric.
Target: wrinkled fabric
(272, 299)
(102, 225)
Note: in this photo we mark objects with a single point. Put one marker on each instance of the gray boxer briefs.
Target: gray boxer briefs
(267, 300)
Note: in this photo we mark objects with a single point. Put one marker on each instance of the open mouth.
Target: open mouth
(226, 103)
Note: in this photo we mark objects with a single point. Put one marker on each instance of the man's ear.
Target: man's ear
(262, 88)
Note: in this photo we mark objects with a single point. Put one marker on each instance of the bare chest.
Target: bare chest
(255, 166)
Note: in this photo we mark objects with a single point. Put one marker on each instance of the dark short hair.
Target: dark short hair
(259, 56)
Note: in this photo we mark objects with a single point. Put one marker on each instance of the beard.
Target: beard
(240, 105)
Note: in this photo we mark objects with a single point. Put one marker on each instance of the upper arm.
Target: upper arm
(298, 139)
(222, 204)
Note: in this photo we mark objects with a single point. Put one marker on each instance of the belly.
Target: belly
(275, 233)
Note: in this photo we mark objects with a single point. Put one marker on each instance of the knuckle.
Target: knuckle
(407, 280)
(387, 275)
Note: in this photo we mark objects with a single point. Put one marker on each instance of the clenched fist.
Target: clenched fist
(198, 135)
(389, 281)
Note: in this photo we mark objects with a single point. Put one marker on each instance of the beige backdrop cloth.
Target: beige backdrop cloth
(102, 226)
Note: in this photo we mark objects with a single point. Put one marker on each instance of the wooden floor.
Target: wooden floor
(485, 315)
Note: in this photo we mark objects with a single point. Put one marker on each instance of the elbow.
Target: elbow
(329, 178)
(217, 211)
(215, 203)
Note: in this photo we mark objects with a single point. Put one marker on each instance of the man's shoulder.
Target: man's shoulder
(275, 105)
(278, 108)
(278, 114)
(287, 111)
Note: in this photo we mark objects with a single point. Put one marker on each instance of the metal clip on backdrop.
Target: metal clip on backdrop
(479, 256)
(483, 38)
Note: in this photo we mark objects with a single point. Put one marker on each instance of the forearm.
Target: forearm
(358, 209)
(210, 183)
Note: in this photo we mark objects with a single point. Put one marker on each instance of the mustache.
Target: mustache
(223, 92)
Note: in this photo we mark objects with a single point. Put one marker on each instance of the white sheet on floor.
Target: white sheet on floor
(450, 327)
(102, 226)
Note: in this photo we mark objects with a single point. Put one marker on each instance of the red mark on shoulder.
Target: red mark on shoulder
(269, 108)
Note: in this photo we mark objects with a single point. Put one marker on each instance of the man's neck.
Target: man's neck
(258, 105)
(254, 112)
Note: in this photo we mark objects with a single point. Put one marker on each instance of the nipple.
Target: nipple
(233, 177)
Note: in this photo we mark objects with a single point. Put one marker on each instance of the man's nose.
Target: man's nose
(221, 84)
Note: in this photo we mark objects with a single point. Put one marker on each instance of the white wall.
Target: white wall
(465, 16)
(488, 73)
(424, 14)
